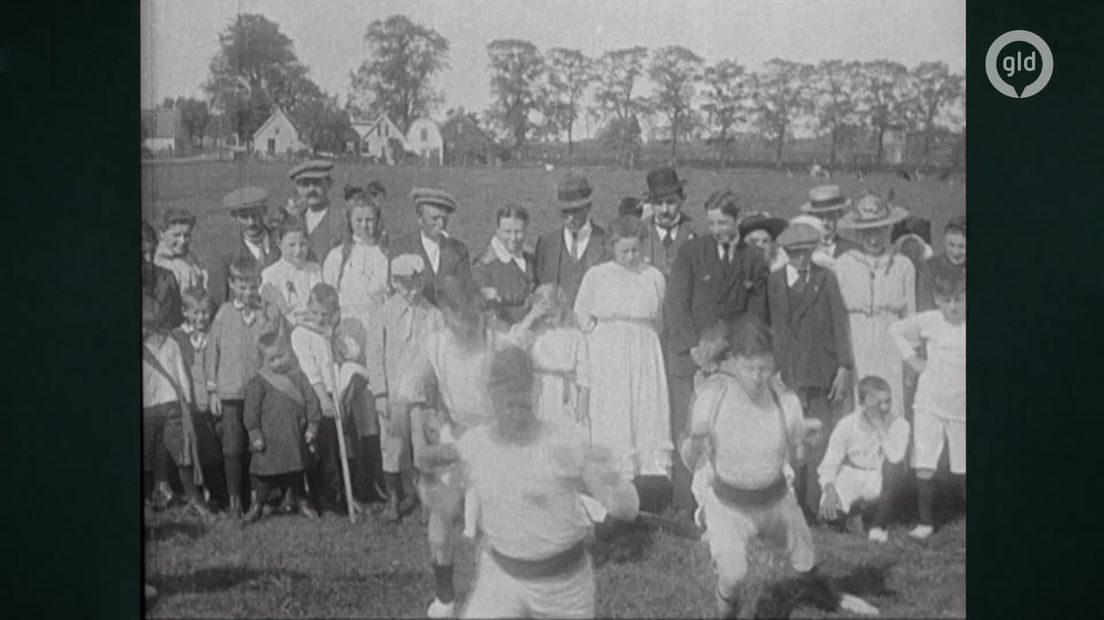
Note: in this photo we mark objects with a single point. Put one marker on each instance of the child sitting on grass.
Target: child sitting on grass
(288, 282)
(939, 411)
(281, 416)
(865, 461)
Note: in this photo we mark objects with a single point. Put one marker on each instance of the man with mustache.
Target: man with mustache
(668, 226)
(248, 206)
(325, 223)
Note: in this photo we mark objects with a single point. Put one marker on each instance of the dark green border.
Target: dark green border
(71, 522)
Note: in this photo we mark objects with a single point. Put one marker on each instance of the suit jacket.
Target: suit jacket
(555, 265)
(218, 277)
(329, 233)
(812, 337)
(663, 257)
(703, 290)
(454, 260)
(512, 284)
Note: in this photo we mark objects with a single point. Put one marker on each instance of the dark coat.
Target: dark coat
(281, 422)
(454, 260)
(703, 290)
(513, 285)
(161, 284)
(663, 257)
(555, 265)
(329, 233)
(218, 277)
(812, 337)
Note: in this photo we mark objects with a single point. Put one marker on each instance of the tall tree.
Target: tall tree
(725, 93)
(570, 73)
(781, 96)
(618, 73)
(935, 90)
(194, 117)
(255, 70)
(884, 97)
(323, 124)
(517, 68)
(676, 72)
(834, 92)
(396, 80)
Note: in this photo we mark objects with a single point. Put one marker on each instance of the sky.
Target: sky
(179, 37)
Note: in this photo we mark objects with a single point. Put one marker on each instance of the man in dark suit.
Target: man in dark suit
(668, 227)
(827, 203)
(812, 345)
(247, 205)
(712, 280)
(326, 224)
(564, 255)
(443, 255)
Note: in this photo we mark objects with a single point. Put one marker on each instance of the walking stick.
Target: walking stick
(341, 444)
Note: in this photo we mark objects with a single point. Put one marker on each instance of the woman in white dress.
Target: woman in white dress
(619, 306)
(879, 289)
(358, 267)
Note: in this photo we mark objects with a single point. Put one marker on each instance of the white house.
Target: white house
(374, 137)
(424, 139)
(277, 136)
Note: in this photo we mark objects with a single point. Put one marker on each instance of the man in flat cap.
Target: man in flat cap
(564, 255)
(443, 255)
(668, 226)
(248, 206)
(325, 223)
(812, 344)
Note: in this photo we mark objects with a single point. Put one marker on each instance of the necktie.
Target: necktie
(668, 239)
(802, 280)
(574, 247)
(726, 251)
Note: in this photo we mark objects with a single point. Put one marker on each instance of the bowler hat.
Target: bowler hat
(574, 191)
(246, 197)
(433, 197)
(762, 221)
(825, 198)
(872, 212)
(312, 169)
(663, 182)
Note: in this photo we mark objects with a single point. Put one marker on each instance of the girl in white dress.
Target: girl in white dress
(620, 308)
(358, 267)
(561, 363)
(288, 282)
(878, 288)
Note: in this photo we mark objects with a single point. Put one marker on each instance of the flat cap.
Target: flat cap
(245, 198)
(433, 197)
(799, 235)
(405, 265)
(312, 169)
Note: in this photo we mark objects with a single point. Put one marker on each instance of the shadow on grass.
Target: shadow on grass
(821, 591)
(627, 543)
(220, 579)
(171, 529)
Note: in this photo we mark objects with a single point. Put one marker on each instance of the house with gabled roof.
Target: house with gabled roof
(376, 135)
(277, 137)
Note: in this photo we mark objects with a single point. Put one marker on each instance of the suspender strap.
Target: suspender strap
(190, 452)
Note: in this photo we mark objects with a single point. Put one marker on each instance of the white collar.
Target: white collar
(673, 231)
(583, 234)
(792, 274)
(504, 255)
(427, 242)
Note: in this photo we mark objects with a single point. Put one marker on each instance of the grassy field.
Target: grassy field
(480, 191)
(287, 567)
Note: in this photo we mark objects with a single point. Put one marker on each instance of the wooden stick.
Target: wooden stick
(349, 501)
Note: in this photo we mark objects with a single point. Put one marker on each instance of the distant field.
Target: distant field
(199, 186)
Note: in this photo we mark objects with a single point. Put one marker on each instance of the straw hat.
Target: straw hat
(825, 198)
(871, 212)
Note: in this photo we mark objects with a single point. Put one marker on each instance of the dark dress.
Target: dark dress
(512, 284)
(282, 422)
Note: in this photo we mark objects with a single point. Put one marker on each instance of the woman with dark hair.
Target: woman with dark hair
(747, 426)
(505, 272)
(950, 263)
(358, 267)
(620, 307)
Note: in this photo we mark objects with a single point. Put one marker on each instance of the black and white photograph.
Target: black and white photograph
(554, 308)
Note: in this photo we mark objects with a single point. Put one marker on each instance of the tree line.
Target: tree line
(540, 95)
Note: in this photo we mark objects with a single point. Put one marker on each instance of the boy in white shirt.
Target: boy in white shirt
(864, 462)
(939, 411)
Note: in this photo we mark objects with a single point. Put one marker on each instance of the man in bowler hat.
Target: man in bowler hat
(564, 255)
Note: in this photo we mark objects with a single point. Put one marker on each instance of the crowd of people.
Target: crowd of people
(749, 375)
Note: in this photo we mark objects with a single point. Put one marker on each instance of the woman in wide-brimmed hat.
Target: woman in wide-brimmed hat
(879, 288)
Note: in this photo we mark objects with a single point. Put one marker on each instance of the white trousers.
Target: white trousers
(930, 433)
(496, 594)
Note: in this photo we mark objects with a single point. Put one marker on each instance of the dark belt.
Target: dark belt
(556, 565)
(750, 498)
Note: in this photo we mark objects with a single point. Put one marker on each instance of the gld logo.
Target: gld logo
(1019, 64)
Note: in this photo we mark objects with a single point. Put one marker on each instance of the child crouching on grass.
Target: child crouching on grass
(939, 411)
(865, 461)
(281, 416)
